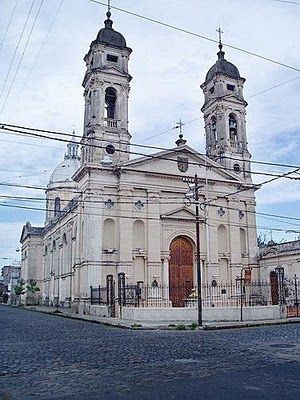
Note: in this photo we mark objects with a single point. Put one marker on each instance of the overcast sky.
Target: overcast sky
(168, 68)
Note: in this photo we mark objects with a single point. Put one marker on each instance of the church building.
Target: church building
(110, 213)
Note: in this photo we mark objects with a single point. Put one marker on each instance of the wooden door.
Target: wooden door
(274, 288)
(180, 271)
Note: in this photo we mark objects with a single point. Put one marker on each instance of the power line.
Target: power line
(31, 144)
(274, 87)
(162, 133)
(260, 184)
(72, 135)
(162, 200)
(110, 215)
(157, 156)
(16, 49)
(22, 56)
(8, 25)
(39, 52)
(155, 21)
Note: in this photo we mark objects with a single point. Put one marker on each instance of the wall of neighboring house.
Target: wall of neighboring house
(283, 255)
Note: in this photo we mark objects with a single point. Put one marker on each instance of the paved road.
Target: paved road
(49, 357)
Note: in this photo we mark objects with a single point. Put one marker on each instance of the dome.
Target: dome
(109, 36)
(223, 67)
(64, 171)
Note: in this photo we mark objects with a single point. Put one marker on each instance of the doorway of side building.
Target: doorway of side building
(181, 263)
(274, 287)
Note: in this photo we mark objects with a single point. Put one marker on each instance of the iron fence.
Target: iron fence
(99, 295)
(235, 294)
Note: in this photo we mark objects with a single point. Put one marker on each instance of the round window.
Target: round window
(237, 168)
(110, 149)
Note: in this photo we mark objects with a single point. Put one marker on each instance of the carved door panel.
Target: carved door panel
(180, 270)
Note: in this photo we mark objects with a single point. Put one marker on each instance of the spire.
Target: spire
(221, 52)
(108, 23)
(72, 149)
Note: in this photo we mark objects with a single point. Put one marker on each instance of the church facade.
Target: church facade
(108, 213)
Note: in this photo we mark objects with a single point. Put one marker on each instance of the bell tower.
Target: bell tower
(225, 116)
(106, 90)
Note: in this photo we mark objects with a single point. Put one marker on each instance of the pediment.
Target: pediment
(167, 163)
(25, 231)
(232, 98)
(182, 213)
(113, 70)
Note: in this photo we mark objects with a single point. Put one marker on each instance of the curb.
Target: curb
(140, 327)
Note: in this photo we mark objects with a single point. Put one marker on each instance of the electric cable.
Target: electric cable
(157, 156)
(16, 49)
(72, 135)
(8, 24)
(22, 56)
(109, 215)
(38, 54)
(155, 21)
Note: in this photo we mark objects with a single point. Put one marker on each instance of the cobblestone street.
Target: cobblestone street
(48, 357)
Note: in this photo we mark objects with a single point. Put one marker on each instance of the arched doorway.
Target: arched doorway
(181, 270)
(274, 288)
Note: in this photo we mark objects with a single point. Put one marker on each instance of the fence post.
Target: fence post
(138, 292)
(296, 294)
(110, 288)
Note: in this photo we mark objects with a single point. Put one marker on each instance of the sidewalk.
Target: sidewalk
(151, 325)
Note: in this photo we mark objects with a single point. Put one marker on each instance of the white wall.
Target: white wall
(209, 314)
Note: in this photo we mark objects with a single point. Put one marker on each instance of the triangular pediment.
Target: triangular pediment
(25, 231)
(113, 70)
(182, 213)
(182, 161)
(231, 98)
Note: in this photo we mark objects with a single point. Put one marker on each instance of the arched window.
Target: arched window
(214, 129)
(64, 239)
(243, 241)
(110, 102)
(56, 206)
(222, 239)
(138, 235)
(109, 234)
(233, 128)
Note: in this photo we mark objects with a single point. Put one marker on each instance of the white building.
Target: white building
(108, 213)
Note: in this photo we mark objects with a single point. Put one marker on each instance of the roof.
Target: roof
(109, 36)
(29, 230)
(224, 67)
(65, 170)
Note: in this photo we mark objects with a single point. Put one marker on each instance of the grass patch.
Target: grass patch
(180, 327)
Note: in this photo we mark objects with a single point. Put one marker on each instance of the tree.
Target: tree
(262, 239)
(32, 287)
(19, 289)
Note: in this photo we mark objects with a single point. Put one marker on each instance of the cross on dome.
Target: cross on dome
(220, 37)
(108, 14)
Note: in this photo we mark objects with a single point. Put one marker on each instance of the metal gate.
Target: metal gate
(111, 299)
